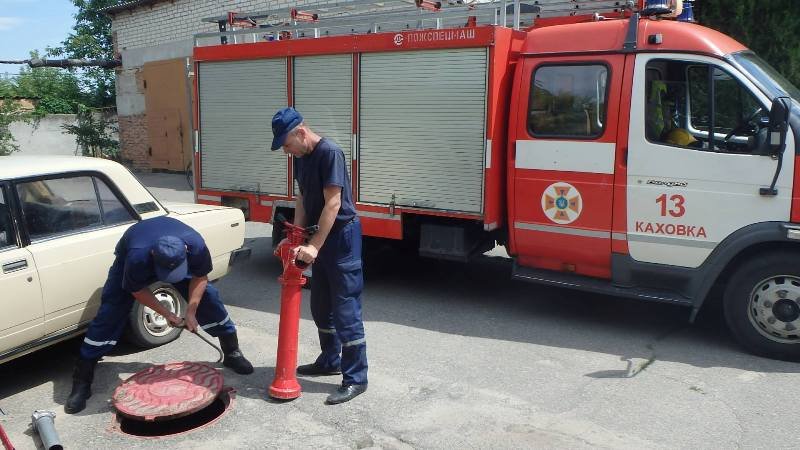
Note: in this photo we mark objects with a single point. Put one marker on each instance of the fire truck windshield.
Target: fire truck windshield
(767, 78)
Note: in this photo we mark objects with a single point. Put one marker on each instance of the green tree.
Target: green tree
(57, 91)
(91, 38)
(93, 134)
(8, 88)
(10, 111)
(770, 28)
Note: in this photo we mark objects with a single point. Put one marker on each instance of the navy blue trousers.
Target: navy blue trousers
(336, 304)
(112, 317)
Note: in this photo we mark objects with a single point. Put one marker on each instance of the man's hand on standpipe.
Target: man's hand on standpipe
(306, 253)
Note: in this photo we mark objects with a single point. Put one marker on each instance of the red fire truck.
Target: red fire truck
(607, 146)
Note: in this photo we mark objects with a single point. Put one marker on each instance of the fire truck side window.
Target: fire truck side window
(679, 108)
(568, 101)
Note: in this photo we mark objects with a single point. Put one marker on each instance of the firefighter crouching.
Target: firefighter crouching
(158, 249)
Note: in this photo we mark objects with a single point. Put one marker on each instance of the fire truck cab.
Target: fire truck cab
(625, 152)
(657, 155)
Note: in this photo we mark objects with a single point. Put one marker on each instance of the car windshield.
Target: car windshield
(766, 76)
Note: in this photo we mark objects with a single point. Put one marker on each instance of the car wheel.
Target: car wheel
(147, 328)
(762, 305)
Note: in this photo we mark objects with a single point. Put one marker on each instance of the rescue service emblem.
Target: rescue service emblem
(562, 203)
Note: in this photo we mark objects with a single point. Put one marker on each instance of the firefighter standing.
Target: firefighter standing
(325, 199)
(158, 249)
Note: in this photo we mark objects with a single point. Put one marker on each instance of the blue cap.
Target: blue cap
(283, 122)
(169, 255)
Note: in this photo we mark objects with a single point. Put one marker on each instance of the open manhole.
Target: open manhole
(170, 399)
(155, 429)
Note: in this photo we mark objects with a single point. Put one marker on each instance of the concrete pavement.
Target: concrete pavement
(460, 357)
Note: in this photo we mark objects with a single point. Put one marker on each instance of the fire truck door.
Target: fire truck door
(688, 189)
(564, 163)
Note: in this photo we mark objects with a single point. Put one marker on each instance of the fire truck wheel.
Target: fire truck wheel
(762, 305)
(148, 329)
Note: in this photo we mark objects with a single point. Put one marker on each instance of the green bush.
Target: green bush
(10, 111)
(93, 134)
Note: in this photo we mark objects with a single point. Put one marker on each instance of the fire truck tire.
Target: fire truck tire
(762, 305)
(147, 329)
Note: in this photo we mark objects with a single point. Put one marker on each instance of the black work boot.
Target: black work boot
(233, 356)
(81, 385)
(345, 393)
(316, 369)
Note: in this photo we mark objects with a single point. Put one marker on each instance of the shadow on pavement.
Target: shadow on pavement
(54, 365)
(479, 299)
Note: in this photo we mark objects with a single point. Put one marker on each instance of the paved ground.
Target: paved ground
(460, 357)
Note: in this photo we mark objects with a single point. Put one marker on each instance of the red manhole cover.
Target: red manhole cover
(167, 391)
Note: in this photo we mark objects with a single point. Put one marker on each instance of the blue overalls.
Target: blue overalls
(338, 280)
(133, 270)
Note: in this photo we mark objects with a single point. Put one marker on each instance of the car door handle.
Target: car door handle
(16, 265)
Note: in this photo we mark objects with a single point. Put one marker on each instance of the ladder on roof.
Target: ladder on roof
(318, 19)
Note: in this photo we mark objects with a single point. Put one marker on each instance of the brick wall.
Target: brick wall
(180, 19)
(133, 141)
(164, 23)
(165, 30)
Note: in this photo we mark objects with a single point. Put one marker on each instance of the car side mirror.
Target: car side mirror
(778, 125)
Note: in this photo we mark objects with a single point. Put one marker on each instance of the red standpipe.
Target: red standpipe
(285, 386)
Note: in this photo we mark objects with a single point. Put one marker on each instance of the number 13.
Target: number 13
(677, 209)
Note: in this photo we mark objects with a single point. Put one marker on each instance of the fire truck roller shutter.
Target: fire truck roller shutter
(323, 93)
(237, 101)
(422, 128)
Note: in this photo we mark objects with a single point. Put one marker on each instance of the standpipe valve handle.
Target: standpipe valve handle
(206, 340)
(309, 231)
(284, 385)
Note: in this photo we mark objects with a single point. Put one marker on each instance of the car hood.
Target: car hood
(189, 208)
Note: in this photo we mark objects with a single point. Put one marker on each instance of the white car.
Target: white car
(60, 219)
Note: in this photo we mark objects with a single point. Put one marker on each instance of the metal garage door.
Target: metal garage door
(323, 93)
(422, 126)
(237, 102)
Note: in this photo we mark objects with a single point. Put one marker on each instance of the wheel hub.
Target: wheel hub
(786, 310)
(155, 323)
(774, 309)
